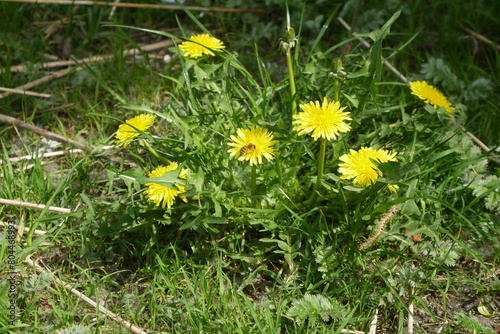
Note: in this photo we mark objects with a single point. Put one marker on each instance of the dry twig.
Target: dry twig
(24, 92)
(86, 299)
(373, 324)
(25, 229)
(34, 206)
(95, 59)
(112, 12)
(139, 5)
(51, 135)
(351, 332)
(64, 106)
(44, 155)
(481, 38)
(410, 318)
(52, 76)
(366, 44)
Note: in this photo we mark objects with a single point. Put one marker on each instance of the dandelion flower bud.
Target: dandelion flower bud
(288, 40)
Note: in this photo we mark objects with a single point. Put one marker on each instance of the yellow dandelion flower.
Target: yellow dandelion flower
(393, 188)
(251, 145)
(431, 95)
(198, 45)
(357, 166)
(163, 195)
(325, 120)
(129, 130)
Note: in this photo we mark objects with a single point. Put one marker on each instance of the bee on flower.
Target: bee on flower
(252, 145)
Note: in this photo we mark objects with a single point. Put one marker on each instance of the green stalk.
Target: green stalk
(336, 89)
(291, 78)
(321, 169)
(156, 154)
(253, 185)
(337, 67)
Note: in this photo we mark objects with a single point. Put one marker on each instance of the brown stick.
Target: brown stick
(44, 155)
(99, 308)
(65, 106)
(51, 135)
(96, 59)
(482, 38)
(24, 229)
(24, 92)
(40, 81)
(139, 5)
(34, 206)
(113, 10)
(480, 144)
(42, 132)
(365, 43)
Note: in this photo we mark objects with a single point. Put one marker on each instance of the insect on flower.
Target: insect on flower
(252, 145)
(246, 148)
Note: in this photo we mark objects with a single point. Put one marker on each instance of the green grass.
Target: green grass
(241, 259)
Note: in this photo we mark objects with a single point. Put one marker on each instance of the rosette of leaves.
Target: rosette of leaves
(315, 307)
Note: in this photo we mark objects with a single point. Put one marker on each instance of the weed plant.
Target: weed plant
(308, 203)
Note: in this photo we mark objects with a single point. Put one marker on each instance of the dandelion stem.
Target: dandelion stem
(336, 89)
(321, 168)
(253, 185)
(291, 78)
(156, 154)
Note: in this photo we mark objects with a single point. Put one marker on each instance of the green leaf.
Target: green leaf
(168, 179)
(394, 171)
(313, 307)
(130, 176)
(353, 188)
(483, 310)
(410, 208)
(380, 34)
(204, 71)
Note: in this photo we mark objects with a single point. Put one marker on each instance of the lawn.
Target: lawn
(250, 167)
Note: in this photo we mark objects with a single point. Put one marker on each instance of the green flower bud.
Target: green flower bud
(288, 40)
(337, 66)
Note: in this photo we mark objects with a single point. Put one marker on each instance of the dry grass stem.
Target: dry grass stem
(365, 43)
(373, 324)
(139, 5)
(42, 132)
(24, 92)
(34, 206)
(410, 318)
(481, 38)
(65, 106)
(113, 10)
(54, 136)
(351, 332)
(44, 155)
(25, 229)
(29, 85)
(86, 299)
(94, 59)
(379, 227)
(481, 144)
